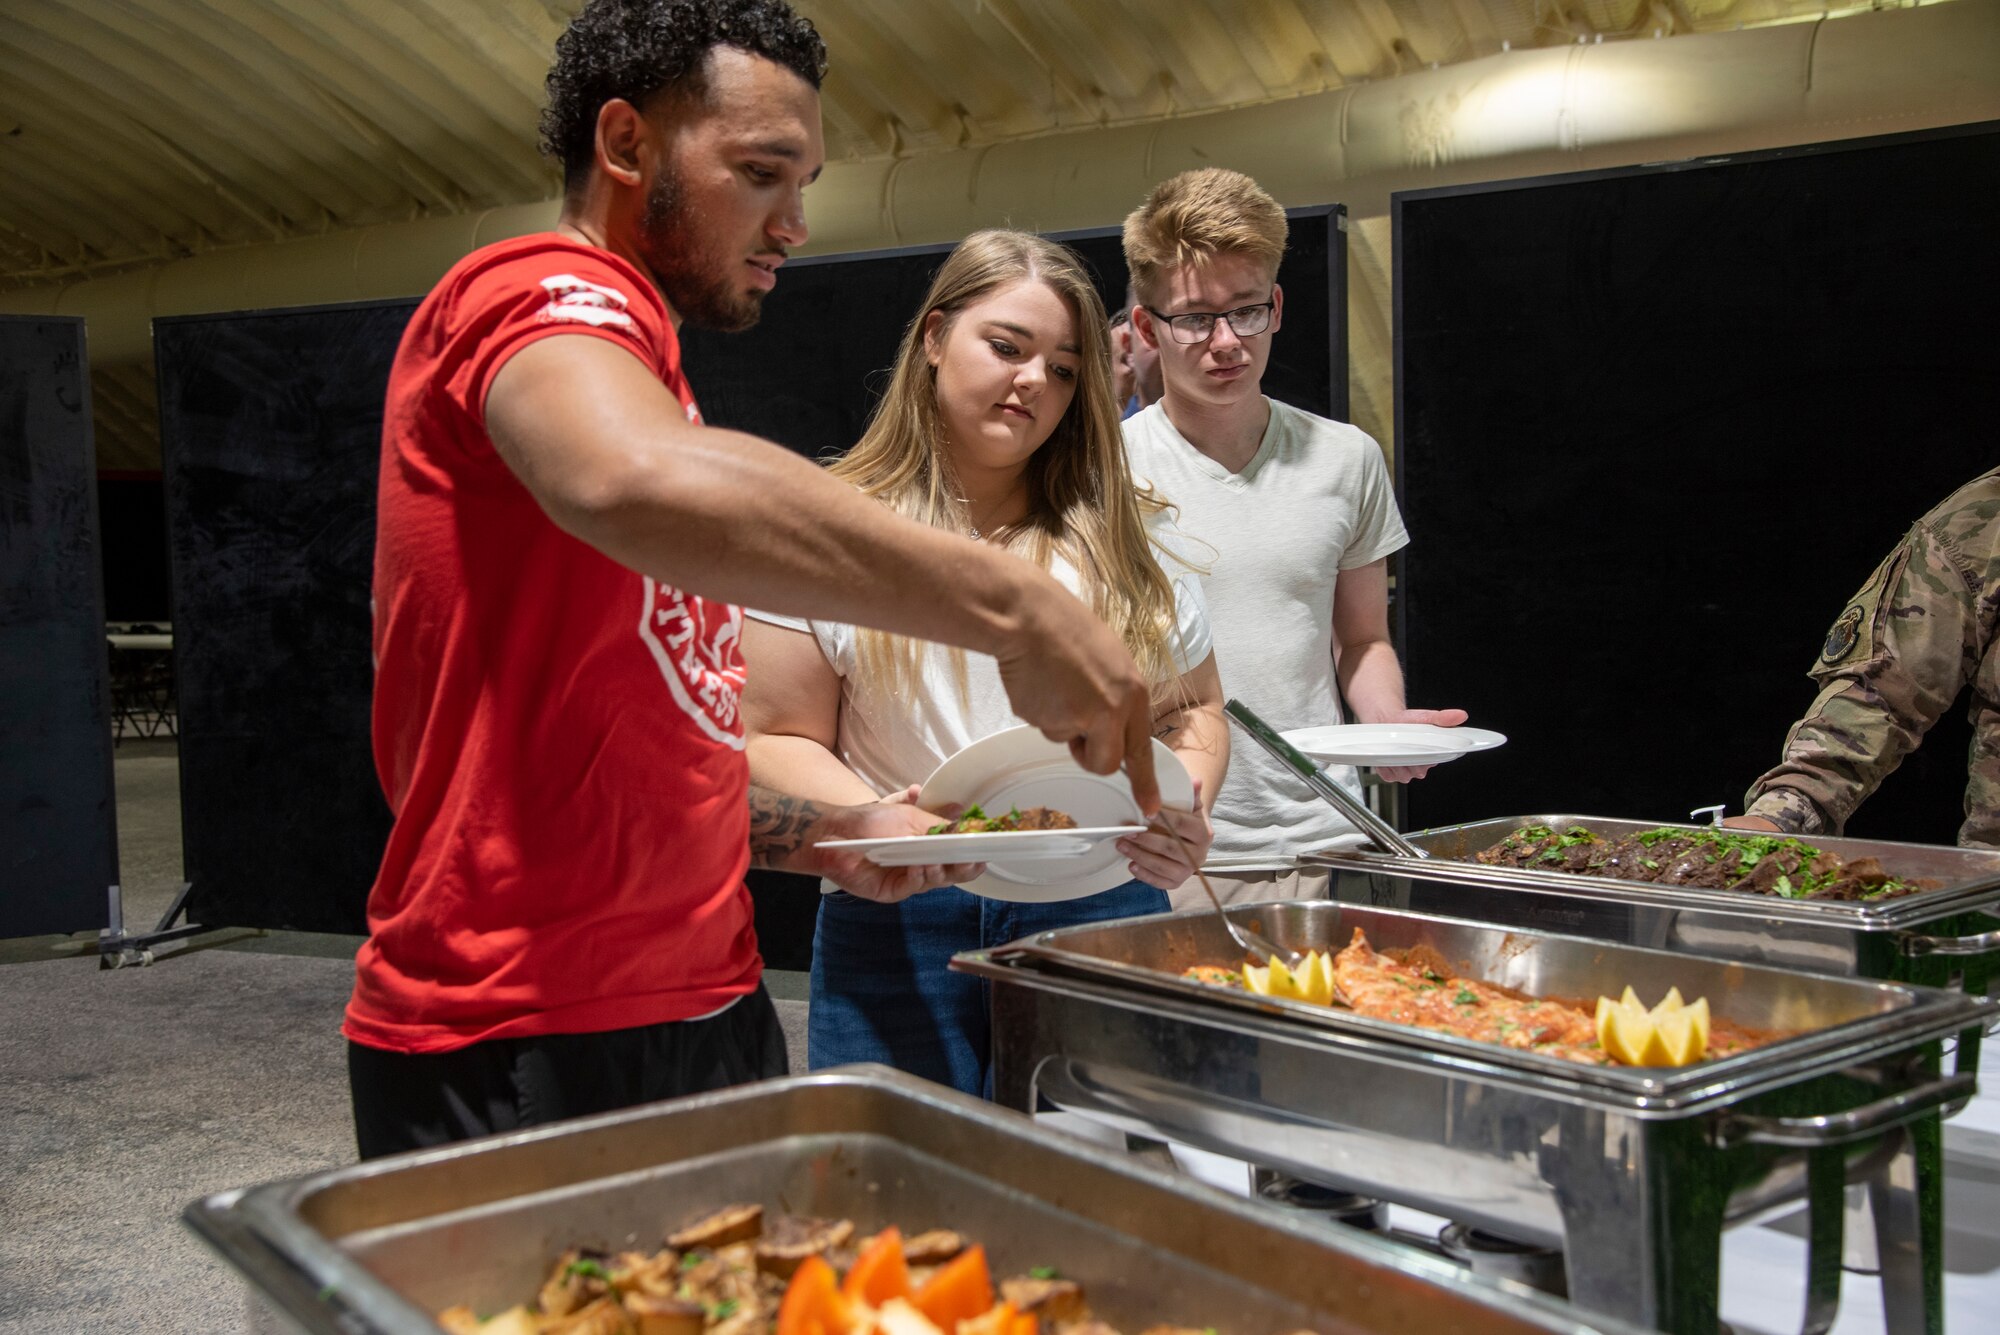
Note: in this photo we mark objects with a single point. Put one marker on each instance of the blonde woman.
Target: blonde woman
(999, 422)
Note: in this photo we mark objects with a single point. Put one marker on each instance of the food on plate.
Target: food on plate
(975, 821)
(1760, 864)
(1311, 981)
(738, 1272)
(1420, 989)
(1670, 1034)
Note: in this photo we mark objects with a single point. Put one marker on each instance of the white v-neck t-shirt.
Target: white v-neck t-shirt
(892, 739)
(1316, 499)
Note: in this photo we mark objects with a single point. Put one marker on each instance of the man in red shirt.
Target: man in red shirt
(560, 925)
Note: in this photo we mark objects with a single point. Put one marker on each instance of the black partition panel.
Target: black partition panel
(270, 426)
(810, 372)
(1654, 428)
(58, 820)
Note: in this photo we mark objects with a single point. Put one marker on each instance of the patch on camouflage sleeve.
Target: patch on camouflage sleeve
(1846, 633)
(1859, 627)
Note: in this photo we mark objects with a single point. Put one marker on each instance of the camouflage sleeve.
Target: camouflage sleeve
(1896, 658)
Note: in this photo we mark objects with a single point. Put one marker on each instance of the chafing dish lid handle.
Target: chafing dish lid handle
(1951, 945)
(1839, 1128)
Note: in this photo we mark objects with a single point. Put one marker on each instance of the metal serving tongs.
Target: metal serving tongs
(1252, 942)
(1383, 833)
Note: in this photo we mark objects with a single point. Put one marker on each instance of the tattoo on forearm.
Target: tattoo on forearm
(780, 825)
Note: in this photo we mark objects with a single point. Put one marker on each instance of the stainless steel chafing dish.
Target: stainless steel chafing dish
(1947, 937)
(1633, 1172)
(376, 1248)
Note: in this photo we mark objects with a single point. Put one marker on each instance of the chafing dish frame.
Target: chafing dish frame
(376, 1247)
(1632, 1172)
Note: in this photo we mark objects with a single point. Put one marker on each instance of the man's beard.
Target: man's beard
(700, 290)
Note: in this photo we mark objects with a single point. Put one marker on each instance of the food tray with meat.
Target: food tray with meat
(1420, 988)
(1704, 858)
(1939, 926)
(1794, 1018)
(382, 1247)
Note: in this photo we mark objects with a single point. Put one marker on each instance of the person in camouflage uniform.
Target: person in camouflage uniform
(1921, 628)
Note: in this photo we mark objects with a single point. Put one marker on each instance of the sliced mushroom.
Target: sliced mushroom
(1173, 1330)
(1085, 1328)
(635, 1271)
(653, 1315)
(933, 1248)
(1049, 1299)
(733, 1223)
(792, 1238)
(568, 1287)
(602, 1317)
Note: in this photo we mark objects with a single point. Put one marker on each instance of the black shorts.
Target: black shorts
(405, 1101)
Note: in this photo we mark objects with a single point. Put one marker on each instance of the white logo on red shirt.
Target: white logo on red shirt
(695, 643)
(576, 301)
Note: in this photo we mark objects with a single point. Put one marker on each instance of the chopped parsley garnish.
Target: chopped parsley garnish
(690, 1260)
(1042, 1272)
(586, 1267)
(723, 1310)
(1466, 997)
(1649, 864)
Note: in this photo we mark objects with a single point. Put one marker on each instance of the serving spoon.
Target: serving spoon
(1252, 942)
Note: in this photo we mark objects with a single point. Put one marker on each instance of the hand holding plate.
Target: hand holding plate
(894, 816)
(1438, 718)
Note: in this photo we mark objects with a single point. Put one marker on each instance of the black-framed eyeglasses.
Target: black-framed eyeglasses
(1198, 326)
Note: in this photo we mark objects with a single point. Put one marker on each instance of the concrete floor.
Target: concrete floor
(129, 1093)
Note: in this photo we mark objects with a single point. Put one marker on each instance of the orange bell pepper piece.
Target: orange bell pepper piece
(814, 1304)
(959, 1291)
(1025, 1324)
(880, 1272)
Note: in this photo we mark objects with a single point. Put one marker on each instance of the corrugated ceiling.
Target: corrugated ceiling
(138, 131)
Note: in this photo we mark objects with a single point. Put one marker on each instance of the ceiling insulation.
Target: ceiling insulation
(134, 132)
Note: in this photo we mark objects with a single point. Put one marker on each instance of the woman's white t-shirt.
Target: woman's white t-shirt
(896, 738)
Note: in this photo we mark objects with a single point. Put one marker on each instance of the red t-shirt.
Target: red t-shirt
(558, 736)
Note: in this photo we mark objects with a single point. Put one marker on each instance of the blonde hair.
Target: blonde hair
(1082, 504)
(1197, 215)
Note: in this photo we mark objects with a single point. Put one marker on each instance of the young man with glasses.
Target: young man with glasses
(1295, 517)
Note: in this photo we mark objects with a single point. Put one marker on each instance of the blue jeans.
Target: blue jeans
(881, 991)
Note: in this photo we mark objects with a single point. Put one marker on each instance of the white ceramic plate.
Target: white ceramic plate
(1021, 768)
(917, 850)
(1391, 743)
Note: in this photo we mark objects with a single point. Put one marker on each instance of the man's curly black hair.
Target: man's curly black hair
(636, 48)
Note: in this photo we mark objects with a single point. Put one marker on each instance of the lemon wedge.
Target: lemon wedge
(1626, 1034)
(1319, 978)
(1672, 1033)
(1283, 984)
(1310, 981)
